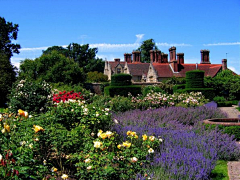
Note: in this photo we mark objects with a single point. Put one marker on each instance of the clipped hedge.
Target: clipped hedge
(179, 86)
(121, 80)
(122, 90)
(195, 79)
(208, 93)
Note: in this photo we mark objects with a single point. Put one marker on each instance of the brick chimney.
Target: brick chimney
(158, 56)
(174, 65)
(155, 56)
(128, 57)
(224, 64)
(172, 53)
(152, 57)
(136, 56)
(117, 60)
(205, 57)
(164, 58)
(180, 58)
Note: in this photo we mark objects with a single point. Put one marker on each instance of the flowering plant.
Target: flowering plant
(65, 96)
(109, 157)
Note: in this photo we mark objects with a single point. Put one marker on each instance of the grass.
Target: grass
(220, 172)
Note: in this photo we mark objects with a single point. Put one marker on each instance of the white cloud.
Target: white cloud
(223, 44)
(169, 45)
(139, 38)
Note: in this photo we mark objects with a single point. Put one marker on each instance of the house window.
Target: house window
(119, 70)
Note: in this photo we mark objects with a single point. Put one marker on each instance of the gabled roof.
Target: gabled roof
(114, 64)
(138, 68)
(164, 69)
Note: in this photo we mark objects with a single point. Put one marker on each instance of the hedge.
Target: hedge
(122, 90)
(209, 93)
(179, 86)
(121, 80)
(195, 79)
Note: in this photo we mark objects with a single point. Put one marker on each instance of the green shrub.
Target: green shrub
(219, 99)
(233, 130)
(96, 77)
(225, 104)
(30, 96)
(121, 80)
(195, 79)
(122, 90)
(121, 104)
(179, 86)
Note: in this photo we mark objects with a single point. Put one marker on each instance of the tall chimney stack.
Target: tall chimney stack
(224, 64)
(205, 57)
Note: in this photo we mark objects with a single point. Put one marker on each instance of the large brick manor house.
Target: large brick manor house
(159, 67)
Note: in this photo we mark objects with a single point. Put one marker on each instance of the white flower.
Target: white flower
(30, 146)
(150, 150)
(1, 157)
(106, 109)
(106, 114)
(0, 116)
(97, 114)
(115, 121)
(44, 162)
(97, 144)
(89, 167)
(134, 159)
(64, 176)
(161, 140)
(87, 160)
(3, 130)
(22, 143)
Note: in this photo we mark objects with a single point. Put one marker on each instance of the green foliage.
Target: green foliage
(96, 77)
(175, 80)
(152, 88)
(31, 96)
(233, 130)
(7, 78)
(220, 171)
(218, 99)
(121, 80)
(122, 90)
(208, 93)
(179, 86)
(52, 67)
(8, 32)
(195, 79)
(225, 84)
(145, 48)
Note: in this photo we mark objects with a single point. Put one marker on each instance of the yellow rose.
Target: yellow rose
(7, 127)
(119, 146)
(144, 137)
(37, 128)
(151, 138)
(126, 144)
(103, 135)
(129, 133)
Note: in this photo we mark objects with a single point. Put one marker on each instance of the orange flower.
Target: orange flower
(37, 128)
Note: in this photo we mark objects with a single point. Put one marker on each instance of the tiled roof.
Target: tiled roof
(138, 69)
(114, 64)
(164, 69)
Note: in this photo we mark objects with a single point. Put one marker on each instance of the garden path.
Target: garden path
(233, 166)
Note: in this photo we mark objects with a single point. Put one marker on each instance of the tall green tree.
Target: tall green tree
(53, 67)
(145, 47)
(8, 32)
(7, 78)
(81, 54)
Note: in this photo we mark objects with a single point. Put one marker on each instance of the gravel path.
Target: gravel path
(233, 166)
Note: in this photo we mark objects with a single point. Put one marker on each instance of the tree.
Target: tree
(81, 54)
(8, 32)
(52, 67)
(7, 78)
(146, 46)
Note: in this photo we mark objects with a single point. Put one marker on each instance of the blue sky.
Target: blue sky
(119, 26)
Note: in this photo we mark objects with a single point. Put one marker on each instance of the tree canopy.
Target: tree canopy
(52, 67)
(7, 78)
(146, 46)
(81, 54)
(8, 32)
